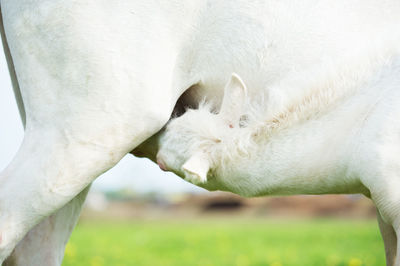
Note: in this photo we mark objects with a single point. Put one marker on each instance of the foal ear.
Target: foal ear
(235, 96)
(196, 168)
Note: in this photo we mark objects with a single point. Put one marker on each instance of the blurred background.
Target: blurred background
(135, 214)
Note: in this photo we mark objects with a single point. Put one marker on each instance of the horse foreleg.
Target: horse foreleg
(389, 239)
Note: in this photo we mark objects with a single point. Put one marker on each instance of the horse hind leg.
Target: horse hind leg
(45, 243)
(46, 174)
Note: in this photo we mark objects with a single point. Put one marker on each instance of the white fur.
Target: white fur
(325, 142)
(97, 78)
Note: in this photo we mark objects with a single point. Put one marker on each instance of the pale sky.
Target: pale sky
(139, 174)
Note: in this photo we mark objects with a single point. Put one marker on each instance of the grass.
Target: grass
(226, 242)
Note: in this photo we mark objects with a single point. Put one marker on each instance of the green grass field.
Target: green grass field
(228, 242)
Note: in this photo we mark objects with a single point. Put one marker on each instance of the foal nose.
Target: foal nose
(161, 163)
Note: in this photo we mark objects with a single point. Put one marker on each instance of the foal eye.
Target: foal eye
(244, 120)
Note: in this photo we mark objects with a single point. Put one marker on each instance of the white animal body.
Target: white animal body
(249, 151)
(322, 143)
(94, 79)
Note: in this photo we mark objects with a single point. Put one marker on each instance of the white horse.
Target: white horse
(325, 142)
(94, 79)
